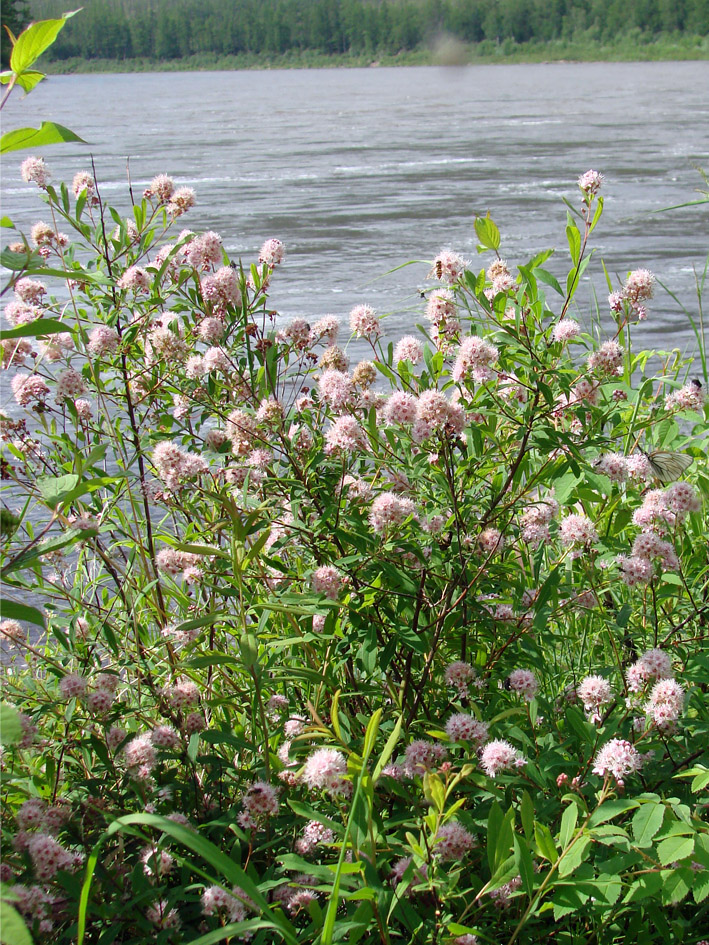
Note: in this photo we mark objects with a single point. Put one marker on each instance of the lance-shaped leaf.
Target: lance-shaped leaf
(49, 132)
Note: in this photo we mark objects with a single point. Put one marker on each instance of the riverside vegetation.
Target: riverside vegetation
(408, 650)
(119, 35)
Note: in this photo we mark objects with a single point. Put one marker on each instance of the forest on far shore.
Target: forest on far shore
(177, 29)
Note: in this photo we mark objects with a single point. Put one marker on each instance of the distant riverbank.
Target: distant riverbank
(633, 47)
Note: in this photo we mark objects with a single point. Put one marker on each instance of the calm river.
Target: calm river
(361, 170)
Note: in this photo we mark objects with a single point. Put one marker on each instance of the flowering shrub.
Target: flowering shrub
(409, 650)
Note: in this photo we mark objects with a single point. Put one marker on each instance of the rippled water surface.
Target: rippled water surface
(359, 171)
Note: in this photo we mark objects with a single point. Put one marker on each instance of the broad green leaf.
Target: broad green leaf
(674, 849)
(612, 809)
(576, 855)
(434, 790)
(6, 223)
(13, 930)
(676, 884)
(55, 488)
(646, 885)
(35, 40)
(487, 232)
(17, 611)
(700, 886)
(28, 80)
(10, 728)
(646, 822)
(36, 329)
(49, 132)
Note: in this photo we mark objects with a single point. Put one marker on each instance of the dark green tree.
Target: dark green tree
(14, 15)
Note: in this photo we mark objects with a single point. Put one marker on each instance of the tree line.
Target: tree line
(174, 29)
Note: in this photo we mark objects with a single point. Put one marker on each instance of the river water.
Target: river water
(361, 170)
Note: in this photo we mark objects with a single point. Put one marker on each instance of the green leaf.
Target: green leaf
(646, 822)
(388, 750)
(370, 736)
(28, 80)
(505, 839)
(494, 823)
(526, 811)
(49, 132)
(575, 857)
(545, 842)
(568, 824)
(36, 329)
(611, 809)
(13, 930)
(55, 488)
(10, 727)
(544, 276)
(523, 859)
(487, 232)
(248, 647)
(676, 884)
(700, 886)
(35, 40)
(674, 848)
(574, 238)
(646, 885)
(17, 611)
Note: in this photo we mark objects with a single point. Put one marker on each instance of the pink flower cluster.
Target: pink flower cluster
(577, 530)
(590, 182)
(690, 397)
(475, 359)
(461, 675)
(442, 314)
(260, 801)
(408, 348)
(523, 682)
(364, 322)
(638, 288)
(447, 267)
(325, 770)
(594, 692)
(421, 756)
(462, 727)
(174, 465)
(607, 360)
(618, 758)
(666, 703)
(389, 510)
(653, 664)
(535, 520)
(314, 835)
(327, 580)
(499, 755)
(452, 842)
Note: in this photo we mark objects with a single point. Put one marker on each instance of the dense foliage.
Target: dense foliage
(14, 16)
(174, 29)
(413, 650)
